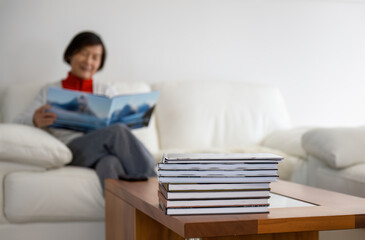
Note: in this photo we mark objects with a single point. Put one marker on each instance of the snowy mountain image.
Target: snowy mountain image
(85, 112)
(134, 117)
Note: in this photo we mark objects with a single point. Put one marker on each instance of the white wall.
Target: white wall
(313, 50)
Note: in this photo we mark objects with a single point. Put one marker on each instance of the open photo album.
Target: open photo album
(85, 111)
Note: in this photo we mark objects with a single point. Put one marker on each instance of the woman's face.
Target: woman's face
(86, 62)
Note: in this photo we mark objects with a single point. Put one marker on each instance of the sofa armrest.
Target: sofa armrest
(337, 147)
(288, 141)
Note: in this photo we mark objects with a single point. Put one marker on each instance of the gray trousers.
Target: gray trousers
(114, 152)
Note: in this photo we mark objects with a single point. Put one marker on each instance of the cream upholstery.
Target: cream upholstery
(201, 115)
(337, 147)
(32, 146)
(336, 160)
(5, 168)
(63, 194)
(287, 140)
(350, 180)
(16, 98)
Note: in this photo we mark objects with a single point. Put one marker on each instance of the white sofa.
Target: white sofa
(43, 199)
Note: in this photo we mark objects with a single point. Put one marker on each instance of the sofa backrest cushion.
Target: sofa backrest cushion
(16, 99)
(228, 115)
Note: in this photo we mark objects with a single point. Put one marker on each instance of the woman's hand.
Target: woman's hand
(42, 118)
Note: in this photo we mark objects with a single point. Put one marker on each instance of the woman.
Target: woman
(114, 152)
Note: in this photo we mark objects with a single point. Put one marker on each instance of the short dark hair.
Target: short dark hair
(84, 39)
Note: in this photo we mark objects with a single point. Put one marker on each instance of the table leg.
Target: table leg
(124, 222)
(149, 229)
(119, 218)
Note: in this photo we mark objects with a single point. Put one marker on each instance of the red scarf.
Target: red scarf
(75, 83)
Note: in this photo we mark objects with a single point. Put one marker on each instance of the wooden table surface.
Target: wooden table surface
(333, 211)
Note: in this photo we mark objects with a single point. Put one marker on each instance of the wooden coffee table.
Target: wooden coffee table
(132, 212)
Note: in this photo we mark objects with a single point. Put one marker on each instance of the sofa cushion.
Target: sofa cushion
(350, 180)
(64, 194)
(32, 146)
(287, 140)
(16, 99)
(337, 147)
(201, 115)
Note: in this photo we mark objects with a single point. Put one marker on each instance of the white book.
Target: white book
(216, 195)
(215, 210)
(217, 173)
(217, 166)
(216, 203)
(213, 186)
(220, 156)
(217, 161)
(215, 179)
(213, 202)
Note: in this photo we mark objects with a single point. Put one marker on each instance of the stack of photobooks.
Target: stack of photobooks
(216, 183)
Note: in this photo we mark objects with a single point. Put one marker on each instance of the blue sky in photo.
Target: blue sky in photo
(134, 100)
(100, 105)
